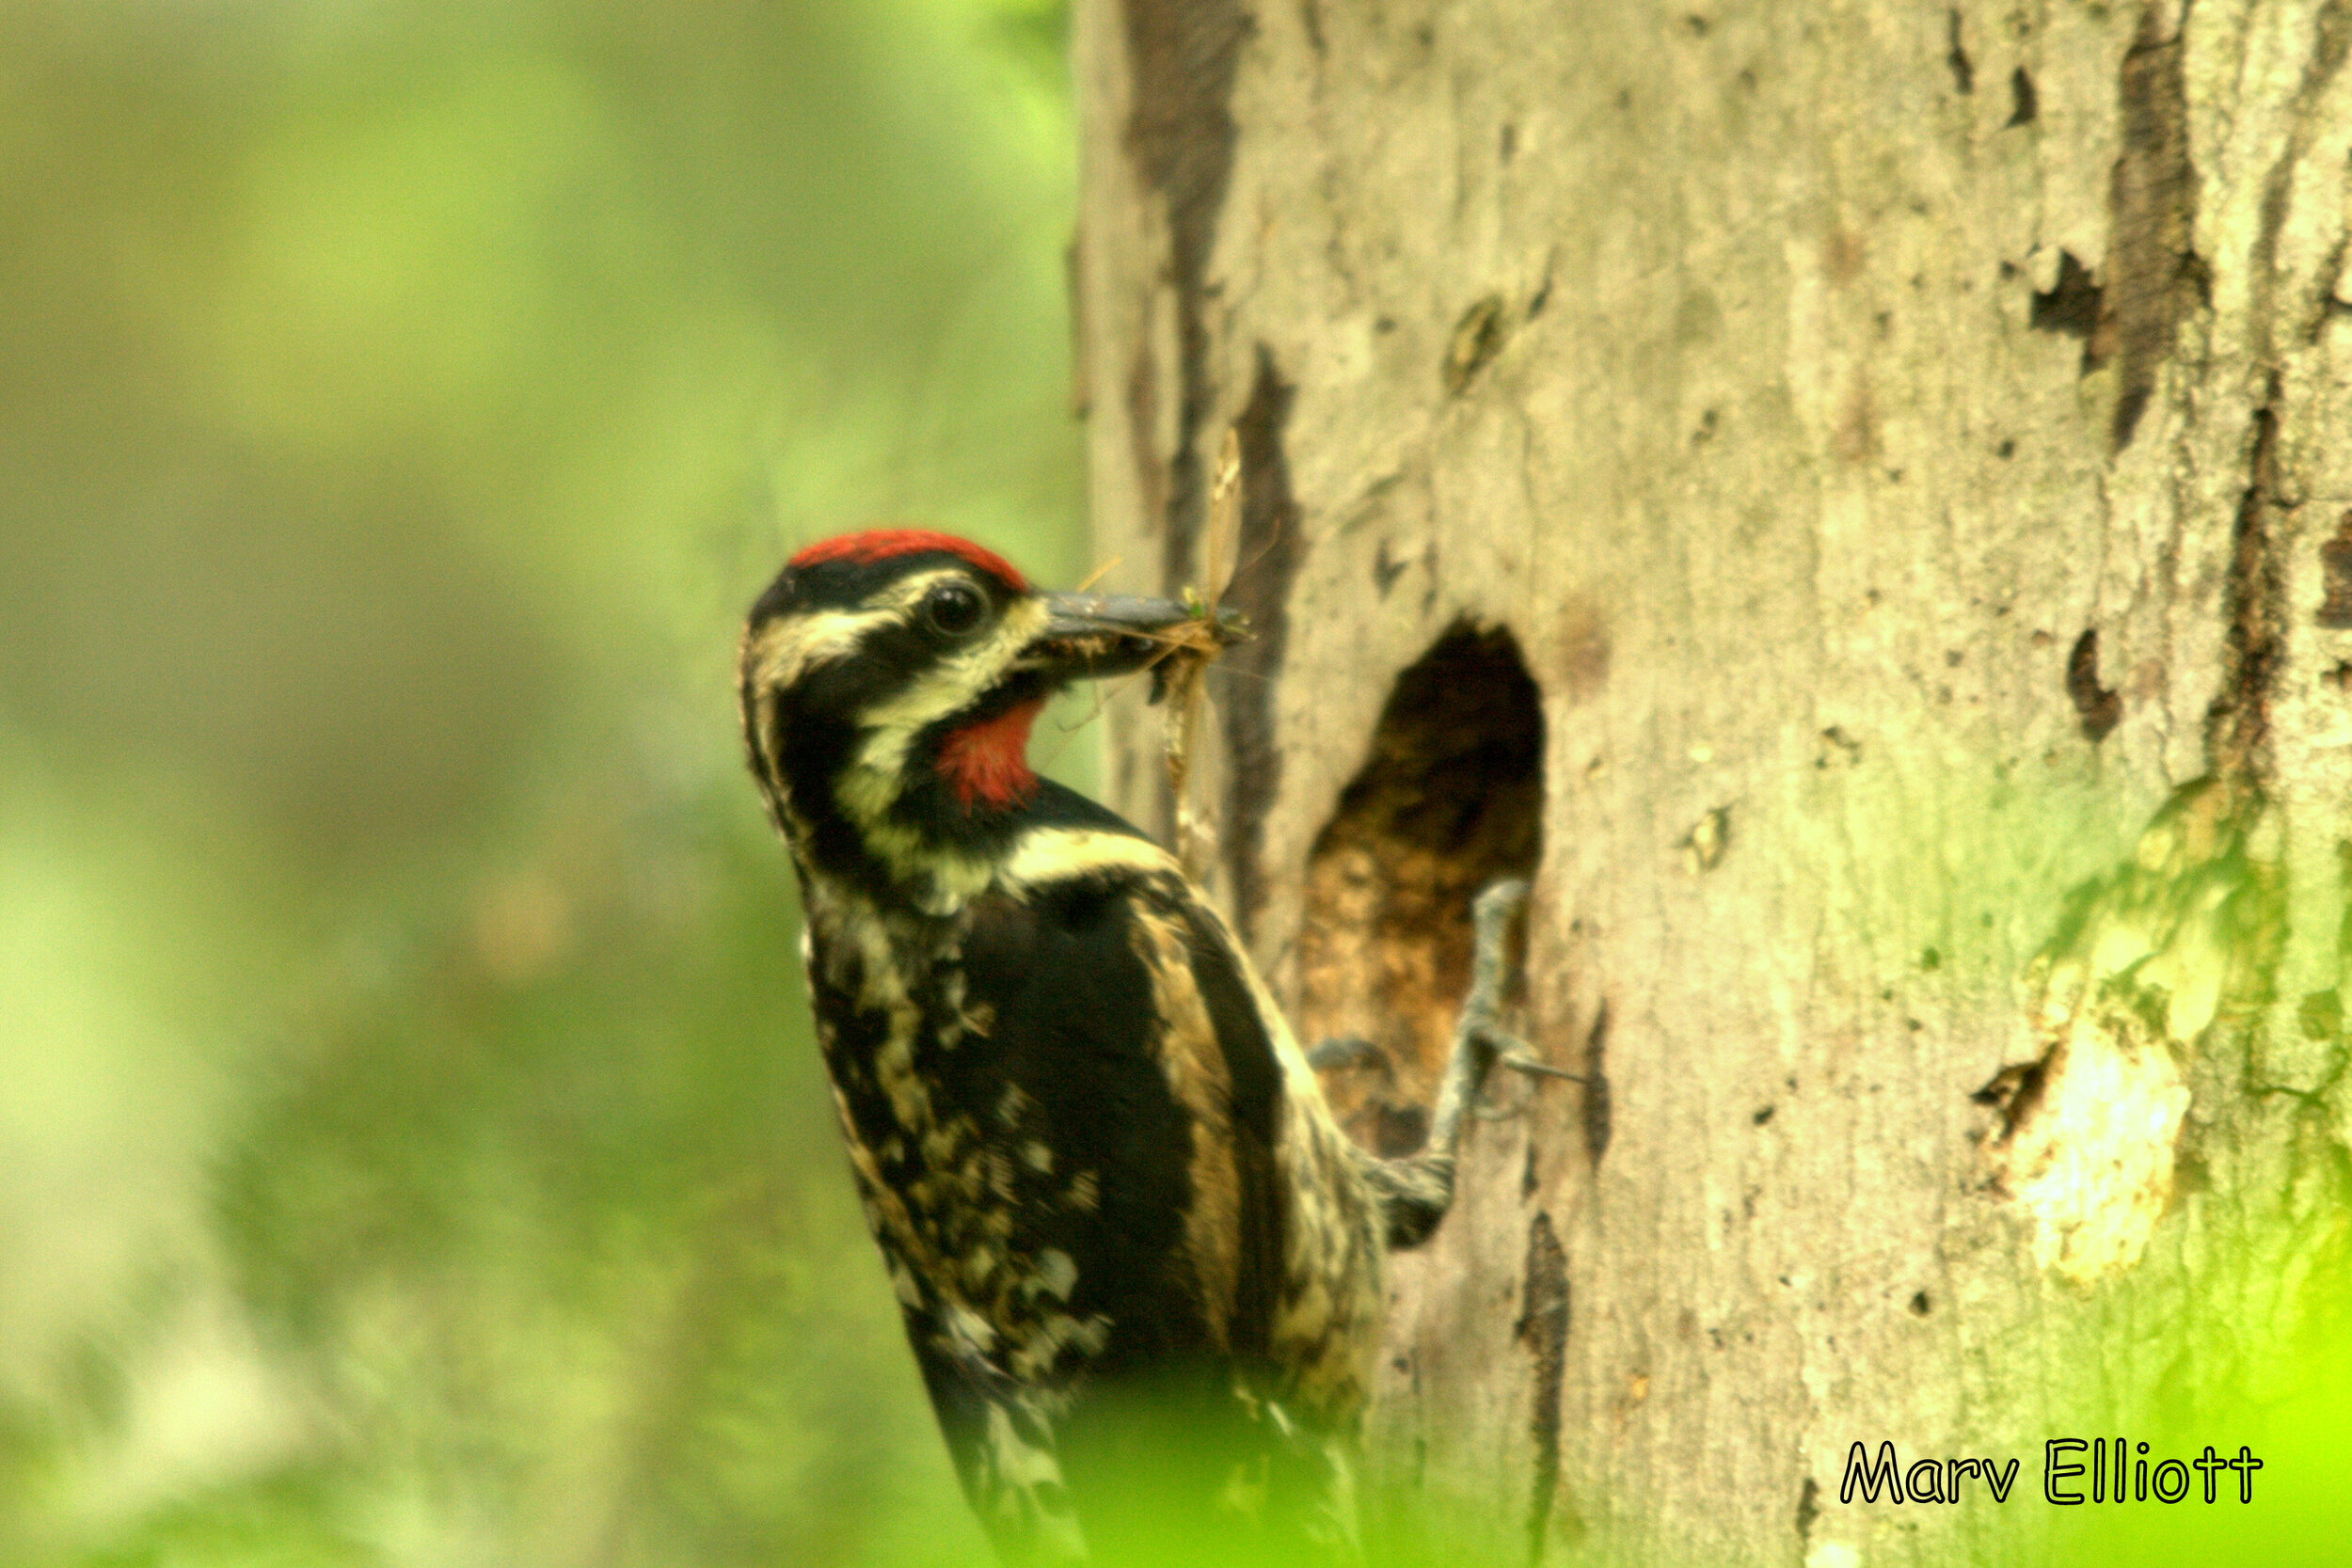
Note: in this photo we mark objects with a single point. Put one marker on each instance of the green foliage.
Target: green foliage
(411, 1149)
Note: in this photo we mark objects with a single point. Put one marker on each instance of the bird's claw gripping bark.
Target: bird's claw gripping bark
(1416, 1191)
(1479, 1042)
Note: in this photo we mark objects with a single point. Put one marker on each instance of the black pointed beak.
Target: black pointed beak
(1089, 635)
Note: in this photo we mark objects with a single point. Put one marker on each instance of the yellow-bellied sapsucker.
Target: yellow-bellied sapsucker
(1138, 1262)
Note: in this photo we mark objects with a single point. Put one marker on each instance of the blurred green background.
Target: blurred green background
(411, 1150)
(410, 1147)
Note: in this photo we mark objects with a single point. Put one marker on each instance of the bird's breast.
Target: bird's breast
(982, 1224)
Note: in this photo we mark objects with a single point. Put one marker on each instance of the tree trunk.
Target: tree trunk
(1853, 498)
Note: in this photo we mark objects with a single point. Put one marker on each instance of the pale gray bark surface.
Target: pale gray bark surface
(1906, 448)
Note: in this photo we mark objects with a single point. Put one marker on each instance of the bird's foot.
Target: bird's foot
(1480, 1042)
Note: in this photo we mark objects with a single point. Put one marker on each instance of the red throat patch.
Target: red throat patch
(987, 763)
(880, 543)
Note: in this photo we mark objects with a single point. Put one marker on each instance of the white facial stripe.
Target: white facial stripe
(870, 786)
(790, 648)
(955, 682)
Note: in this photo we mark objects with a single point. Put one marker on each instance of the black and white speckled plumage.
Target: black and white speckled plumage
(1138, 1263)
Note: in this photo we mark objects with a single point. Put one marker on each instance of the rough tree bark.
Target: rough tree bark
(1856, 497)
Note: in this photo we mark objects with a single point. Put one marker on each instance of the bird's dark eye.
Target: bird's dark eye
(954, 607)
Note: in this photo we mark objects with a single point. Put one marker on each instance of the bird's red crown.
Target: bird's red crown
(880, 543)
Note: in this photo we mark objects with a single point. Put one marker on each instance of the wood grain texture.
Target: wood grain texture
(1910, 491)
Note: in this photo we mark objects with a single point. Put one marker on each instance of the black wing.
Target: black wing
(1134, 1093)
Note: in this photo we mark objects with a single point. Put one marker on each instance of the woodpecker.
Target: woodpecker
(1138, 1262)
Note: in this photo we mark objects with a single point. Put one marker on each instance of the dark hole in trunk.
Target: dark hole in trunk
(1449, 798)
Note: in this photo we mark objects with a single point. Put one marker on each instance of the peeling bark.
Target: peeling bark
(1918, 514)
